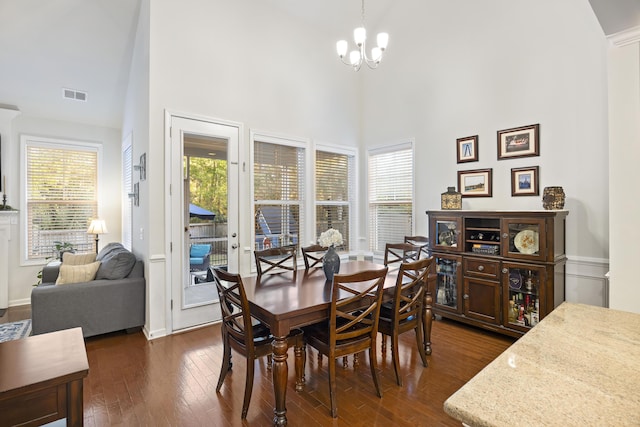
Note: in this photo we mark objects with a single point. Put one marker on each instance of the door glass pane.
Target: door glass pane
(205, 213)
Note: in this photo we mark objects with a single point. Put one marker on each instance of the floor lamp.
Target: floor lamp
(97, 227)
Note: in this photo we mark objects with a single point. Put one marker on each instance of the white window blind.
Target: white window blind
(61, 199)
(390, 196)
(127, 202)
(334, 185)
(278, 181)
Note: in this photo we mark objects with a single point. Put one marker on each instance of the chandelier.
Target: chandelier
(359, 56)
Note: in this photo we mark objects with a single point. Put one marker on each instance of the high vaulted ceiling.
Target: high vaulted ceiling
(86, 45)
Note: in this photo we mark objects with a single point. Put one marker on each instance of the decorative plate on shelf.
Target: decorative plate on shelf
(527, 242)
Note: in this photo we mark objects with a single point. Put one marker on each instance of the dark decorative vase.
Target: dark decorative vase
(553, 198)
(331, 263)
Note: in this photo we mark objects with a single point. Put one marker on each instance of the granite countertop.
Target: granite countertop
(580, 366)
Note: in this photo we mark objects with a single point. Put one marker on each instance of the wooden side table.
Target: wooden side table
(41, 378)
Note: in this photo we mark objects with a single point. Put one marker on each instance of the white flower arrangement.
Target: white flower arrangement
(331, 237)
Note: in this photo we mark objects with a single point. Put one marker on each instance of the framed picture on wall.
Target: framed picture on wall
(467, 149)
(475, 183)
(524, 181)
(519, 142)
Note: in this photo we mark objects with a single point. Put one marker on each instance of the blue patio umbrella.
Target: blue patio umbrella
(198, 212)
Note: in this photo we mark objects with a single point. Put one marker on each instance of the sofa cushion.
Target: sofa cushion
(116, 262)
(77, 273)
(69, 258)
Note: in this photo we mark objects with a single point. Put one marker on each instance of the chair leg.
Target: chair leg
(345, 362)
(300, 362)
(396, 357)
(226, 364)
(384, 344)
(374, 369)
(333, 388)
(269, 362)
(248, 387)
(421, 346)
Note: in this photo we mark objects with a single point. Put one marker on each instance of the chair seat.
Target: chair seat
(318, 336)
(194, 260)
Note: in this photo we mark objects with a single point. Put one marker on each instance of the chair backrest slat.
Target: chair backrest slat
(399, 252)
(411, 286)
(355, 305)
(422, 242)
(276, 260)
(313, 255)
(236, 316)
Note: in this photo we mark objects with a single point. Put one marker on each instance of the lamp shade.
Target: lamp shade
(97, 226)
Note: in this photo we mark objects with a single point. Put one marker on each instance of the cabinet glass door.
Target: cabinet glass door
(524, 291)
(448, 275)
(524, 239)
(446, 233)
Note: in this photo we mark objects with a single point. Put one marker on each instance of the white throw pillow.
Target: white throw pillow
(77, 273)
(69, 258)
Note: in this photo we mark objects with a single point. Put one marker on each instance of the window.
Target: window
(61, 180)
(334, 186)
(127, 187)
(278, 191)
(390, 195)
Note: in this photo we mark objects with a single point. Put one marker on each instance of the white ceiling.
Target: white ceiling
(87, 45)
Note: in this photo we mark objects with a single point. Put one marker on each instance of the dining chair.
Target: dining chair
(276, 260)
(246, 335)
(405, 311)
(399, 252)
(422, 242)
(313, 255)
(353, 323)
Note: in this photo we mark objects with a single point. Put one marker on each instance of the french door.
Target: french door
(204, 216)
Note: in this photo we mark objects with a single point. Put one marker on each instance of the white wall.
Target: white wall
(238, 61)
(624, 151)
(135, 122)
(22, 277)
(460, 68)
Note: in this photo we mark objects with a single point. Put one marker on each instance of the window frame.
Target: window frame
(51, 143)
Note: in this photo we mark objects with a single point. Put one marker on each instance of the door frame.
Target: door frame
(174, 256)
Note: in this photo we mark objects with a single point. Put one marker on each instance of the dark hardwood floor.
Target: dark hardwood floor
(171, 381)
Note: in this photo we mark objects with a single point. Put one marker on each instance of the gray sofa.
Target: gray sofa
(98, 306)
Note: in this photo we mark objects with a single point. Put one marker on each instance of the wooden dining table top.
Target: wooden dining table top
(292, 294)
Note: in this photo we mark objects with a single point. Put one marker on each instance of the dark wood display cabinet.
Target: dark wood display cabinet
(500, 270)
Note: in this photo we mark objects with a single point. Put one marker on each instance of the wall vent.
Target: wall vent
(76, 95)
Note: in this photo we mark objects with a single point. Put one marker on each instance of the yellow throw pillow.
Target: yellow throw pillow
(69, 258)
(77, 273)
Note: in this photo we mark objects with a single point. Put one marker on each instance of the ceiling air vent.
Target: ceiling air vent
(76, 95)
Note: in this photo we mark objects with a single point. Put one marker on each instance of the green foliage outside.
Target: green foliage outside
(208, 186)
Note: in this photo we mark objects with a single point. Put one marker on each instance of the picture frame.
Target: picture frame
(476, 183)
(524, 181)
(522, 141)
(467, 149)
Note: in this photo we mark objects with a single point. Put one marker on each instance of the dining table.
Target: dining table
(289, 300)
